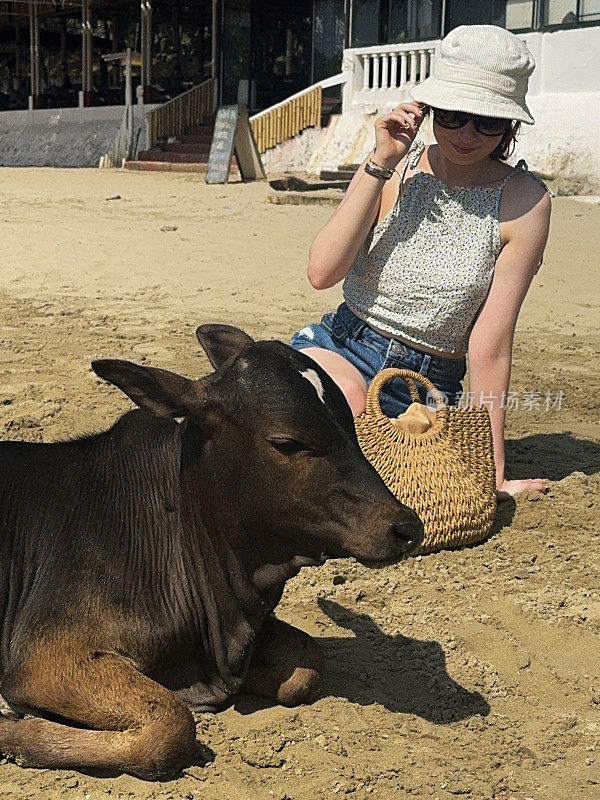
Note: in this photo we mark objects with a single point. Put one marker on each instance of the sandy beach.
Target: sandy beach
(471, 674)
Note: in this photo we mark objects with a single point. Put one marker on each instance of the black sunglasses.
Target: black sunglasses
(486, 126)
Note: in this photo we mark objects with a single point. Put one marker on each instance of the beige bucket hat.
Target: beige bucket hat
(480, 69)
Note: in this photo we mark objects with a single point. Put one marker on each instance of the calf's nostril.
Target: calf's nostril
(403, 532)
(410, 533)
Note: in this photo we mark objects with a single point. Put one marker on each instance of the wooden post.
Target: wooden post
(125, 57)
(36, 22)
(90, 54)
(146, 48)
(32, 97)
(149, 38)
(128, 89)
(83, 56)
(85, 97)
(34, 56)
(216, 51)
(143, 45)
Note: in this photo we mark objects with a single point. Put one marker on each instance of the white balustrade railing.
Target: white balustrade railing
(382, 74)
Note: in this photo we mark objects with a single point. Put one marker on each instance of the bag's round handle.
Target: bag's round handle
(373, 408)
(414, 392)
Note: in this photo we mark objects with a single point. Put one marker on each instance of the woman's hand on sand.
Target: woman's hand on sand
(508, 489)
(395, 132)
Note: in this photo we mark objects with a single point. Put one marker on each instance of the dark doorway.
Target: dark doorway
(329, 37)
(267, 50)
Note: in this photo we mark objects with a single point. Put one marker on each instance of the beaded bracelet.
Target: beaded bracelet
(393, 169)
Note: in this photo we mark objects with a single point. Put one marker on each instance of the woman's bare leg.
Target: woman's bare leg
(345, 374)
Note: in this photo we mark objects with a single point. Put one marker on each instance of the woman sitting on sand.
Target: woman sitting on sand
(437, 255)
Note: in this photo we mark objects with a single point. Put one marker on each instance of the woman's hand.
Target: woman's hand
(506, 489)
(395, 132)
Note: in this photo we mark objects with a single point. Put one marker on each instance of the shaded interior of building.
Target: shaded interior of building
(261, 51)
(264, 50)
(181, 50)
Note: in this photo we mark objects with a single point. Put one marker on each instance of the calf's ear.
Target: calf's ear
(220, 342)
(158, 391)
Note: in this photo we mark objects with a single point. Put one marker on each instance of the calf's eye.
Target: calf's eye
(289, 447)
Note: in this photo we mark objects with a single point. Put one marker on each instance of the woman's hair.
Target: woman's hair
(505, 146)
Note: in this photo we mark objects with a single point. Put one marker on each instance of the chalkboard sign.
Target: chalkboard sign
(233, 132)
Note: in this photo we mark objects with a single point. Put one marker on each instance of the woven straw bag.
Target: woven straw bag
(446, 474)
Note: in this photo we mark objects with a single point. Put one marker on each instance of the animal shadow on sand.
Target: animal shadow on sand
(402, 674)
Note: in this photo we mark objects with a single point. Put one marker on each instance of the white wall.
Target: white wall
(564, 98)
(49, 116)
(566, 61)
(63, 137)
(564, 143)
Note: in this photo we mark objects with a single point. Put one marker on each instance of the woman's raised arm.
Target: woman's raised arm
(336, 245)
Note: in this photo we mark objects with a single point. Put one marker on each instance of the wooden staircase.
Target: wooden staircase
(180, 132)
(188, 153)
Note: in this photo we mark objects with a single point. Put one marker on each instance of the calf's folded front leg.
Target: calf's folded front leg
(287, 665)
(137, 726)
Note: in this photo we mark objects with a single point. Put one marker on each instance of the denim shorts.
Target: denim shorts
(343, 332)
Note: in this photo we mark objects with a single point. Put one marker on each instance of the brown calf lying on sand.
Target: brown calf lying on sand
(140, 567)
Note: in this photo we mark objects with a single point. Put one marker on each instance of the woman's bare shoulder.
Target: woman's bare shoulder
(524, 196)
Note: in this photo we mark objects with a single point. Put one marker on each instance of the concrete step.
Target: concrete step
(329, 197)
(173, 158)
(202, 148)
(296, 184)
(337, 174)
(201, 130)
(163, 166)
(167, 166)
(197, 138)
(166, 154)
